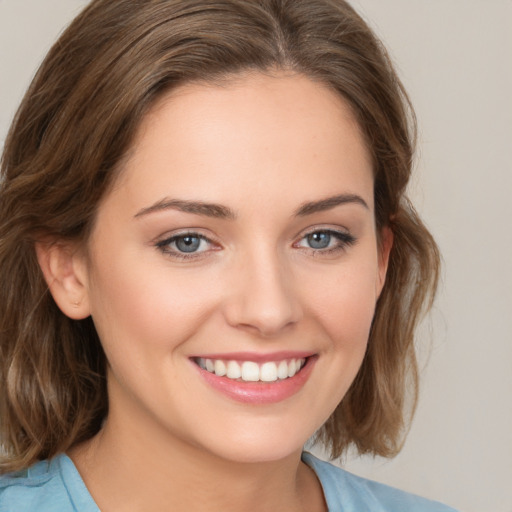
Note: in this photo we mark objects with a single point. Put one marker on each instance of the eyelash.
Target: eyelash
(163, 245)
(344, 240)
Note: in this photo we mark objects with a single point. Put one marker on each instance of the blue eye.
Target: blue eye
(184, 245)
(326, 241)
(187, 243)
(319, 240)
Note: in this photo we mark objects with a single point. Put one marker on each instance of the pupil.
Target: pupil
(319, 240)
(188, 243)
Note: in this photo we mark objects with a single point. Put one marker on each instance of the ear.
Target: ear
(384, 250)
(65, 271)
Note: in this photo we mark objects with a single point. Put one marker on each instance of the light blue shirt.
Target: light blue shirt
(56, 486)
(345, 492)
(48, 486)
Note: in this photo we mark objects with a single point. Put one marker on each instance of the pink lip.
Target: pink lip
(259, 392)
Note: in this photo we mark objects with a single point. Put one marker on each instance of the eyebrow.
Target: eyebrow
(223, 212)
(329, 203)
(196, 207)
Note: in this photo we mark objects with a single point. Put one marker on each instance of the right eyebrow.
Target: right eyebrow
(196, 207)
(329, 203)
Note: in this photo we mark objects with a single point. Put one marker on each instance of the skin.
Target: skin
(261, 146)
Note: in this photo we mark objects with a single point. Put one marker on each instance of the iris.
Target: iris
(188, 243)
(319, 240)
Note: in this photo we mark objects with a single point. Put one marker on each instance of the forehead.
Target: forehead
(251, 132)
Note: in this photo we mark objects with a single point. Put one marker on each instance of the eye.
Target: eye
(319, 240)
(188, 243)
(326, 240)
(185, 245)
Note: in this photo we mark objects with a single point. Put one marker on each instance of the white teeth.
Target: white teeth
(292, 368)
(250, 371)
(233, 370)
(282, 370)
(268, 372)
(220, 368)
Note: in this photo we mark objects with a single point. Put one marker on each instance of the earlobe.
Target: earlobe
(385, 245)
(64, 270)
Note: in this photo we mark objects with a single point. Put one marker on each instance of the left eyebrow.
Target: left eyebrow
(195, 207)
(329, 203)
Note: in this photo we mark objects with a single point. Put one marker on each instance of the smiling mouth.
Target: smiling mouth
(250, 371)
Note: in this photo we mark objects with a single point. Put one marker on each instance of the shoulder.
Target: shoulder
(350, 493)
(46, 487)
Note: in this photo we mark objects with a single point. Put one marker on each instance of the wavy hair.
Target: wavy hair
(63, 153)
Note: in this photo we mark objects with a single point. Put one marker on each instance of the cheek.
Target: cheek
(147, 307)
(342, 313)
(346, 305)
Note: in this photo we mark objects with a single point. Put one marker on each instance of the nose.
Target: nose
(263, 299)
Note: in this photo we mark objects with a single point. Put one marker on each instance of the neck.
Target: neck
(126, 471)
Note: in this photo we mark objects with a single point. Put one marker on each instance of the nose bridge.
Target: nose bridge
(264, 297)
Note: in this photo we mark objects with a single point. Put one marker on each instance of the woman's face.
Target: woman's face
(239, 238)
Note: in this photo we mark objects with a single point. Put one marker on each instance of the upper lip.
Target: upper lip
(257, 357)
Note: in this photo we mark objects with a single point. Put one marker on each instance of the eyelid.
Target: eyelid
(345, 239)
(327, 228)
(193, 231)
(162, 244)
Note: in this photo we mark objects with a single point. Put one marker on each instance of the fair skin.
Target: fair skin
(268, 272)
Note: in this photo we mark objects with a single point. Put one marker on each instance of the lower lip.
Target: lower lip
(260, 392)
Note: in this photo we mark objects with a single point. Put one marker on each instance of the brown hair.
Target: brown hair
(66, 143)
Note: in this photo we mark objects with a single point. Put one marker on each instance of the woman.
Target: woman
(207, 257)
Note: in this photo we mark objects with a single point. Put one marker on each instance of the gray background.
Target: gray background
(455, 58)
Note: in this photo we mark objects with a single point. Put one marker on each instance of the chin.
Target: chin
(258, 453)
(258, 444)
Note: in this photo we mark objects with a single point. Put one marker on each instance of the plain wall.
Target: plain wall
(454, 57)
